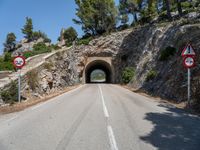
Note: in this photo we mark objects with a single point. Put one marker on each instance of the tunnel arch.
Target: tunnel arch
(100, 65)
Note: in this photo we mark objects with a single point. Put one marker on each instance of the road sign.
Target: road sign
(19, 62)
(188, 51)
(189, 62)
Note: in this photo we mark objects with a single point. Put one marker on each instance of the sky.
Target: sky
(49, 16)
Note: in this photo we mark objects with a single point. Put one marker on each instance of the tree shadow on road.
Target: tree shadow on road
(173, 130)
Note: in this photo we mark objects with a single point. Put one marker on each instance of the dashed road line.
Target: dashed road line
(111, 136)
(105, 110)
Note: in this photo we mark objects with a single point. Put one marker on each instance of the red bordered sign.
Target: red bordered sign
(188, 51)
(189, 62)
(19, 62)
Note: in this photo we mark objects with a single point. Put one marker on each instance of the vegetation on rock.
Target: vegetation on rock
(151, 75)
(10, 95)
(128, 74)
(10, 43)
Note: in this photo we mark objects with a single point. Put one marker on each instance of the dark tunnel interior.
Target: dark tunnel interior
(100, 65)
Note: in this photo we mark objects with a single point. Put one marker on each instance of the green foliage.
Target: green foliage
(95, 16)
(7, 57)
(40, 48)
(6, 62)
(166, 53)
(32, 77)
(128, 74)
(84, 41)
(55, 47)
(70, 35)
(151, 75)
(39, 34)
(6, 66)
(10, 95)
(27, 30)
(10, 42)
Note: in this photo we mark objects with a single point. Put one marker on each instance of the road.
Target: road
(100, 117)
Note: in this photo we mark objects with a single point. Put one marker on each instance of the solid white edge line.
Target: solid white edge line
(43, 103)
(105, 110)
(111, 136)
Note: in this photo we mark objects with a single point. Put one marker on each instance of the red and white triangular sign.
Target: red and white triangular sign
(188, 51)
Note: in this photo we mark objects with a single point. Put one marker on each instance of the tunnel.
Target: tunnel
(101, 65)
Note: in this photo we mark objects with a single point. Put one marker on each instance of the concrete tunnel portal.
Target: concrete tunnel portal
(98, 64)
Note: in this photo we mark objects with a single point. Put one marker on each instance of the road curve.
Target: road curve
(100, 117)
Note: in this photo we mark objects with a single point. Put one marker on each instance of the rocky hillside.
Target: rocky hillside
(143, 48)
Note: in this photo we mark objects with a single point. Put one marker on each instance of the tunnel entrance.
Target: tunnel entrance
(98, 71)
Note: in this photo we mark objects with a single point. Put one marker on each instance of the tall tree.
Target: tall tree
(167, 5)
(70, 35)
(179, 7)
(96, 16)
(10, 42)
(28, 29)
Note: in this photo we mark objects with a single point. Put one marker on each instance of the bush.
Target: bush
(10, 95)
(32, 77)
(38, 48)
(165, 54)
(151, 75)
(55, 47)
(41, 48)
(128, 74)
(48, 65)
(6, 66)
(84, 41)
(7, 57)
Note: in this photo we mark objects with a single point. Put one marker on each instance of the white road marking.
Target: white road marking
(111, 136)
(44, 103)
(105, 110)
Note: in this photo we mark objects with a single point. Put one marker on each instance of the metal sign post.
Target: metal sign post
(19, 62)
(19, 86)
(189, 77)
(188, 55)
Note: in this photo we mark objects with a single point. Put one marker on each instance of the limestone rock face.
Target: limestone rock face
(138, 47)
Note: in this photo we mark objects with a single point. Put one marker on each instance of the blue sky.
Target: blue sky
(49, 16)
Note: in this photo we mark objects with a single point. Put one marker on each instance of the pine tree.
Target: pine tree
(28, 29)
(10, 42)
(70, 35)
(96, 16)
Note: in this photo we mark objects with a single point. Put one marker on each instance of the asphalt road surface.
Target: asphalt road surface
(100, 117)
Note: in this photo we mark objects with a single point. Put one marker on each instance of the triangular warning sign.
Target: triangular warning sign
(188, 51)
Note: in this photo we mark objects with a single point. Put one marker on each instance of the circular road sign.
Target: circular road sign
(189, 62)
(19, 62)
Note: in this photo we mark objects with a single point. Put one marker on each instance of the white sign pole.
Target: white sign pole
(19, 86)
(189, 77)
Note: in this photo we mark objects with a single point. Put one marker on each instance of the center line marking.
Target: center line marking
(105, 110)
(113, 143)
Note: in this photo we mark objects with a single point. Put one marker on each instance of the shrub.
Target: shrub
(32, 77)
(28, 54)
(6, 66)
(7, 57)
(10, 95)
(41, 48)
(84, 41)
(48, 65)
(151, 75)
(55, 47)
(165, 54)
(128, 74)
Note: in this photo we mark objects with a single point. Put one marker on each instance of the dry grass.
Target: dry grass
(26, 104)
